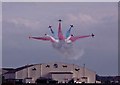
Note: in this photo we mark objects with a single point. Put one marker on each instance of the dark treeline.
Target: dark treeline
(64, 84)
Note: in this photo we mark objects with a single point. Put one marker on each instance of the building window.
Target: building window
(33, 69)
(47, 66)
(55, 65)
(64, 66)
(77, 69)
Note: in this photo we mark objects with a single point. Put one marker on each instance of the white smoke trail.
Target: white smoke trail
(68, 50)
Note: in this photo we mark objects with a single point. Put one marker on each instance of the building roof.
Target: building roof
(23, 67)
(8, 70)
(12, 70)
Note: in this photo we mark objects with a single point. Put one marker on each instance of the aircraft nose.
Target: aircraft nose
(93, 35)
(71, 25)
(29, 37)
(59, 20)
(50, 26)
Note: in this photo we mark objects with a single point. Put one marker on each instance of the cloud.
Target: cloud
(23, 21)
(85, 18)
(88, 19)
(82, 18)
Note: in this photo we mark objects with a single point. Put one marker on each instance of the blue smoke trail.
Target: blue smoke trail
(68, 32)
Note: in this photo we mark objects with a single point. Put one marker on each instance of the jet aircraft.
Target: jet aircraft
(67, 39)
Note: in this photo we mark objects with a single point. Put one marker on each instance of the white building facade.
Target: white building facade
(61, 72)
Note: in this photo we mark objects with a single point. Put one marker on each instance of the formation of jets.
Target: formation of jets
(68, 38)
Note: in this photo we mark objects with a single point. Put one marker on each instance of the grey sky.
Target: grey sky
(0, 34)
(20, 20)
(59, 0)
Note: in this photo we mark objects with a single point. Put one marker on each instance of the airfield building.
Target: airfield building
(60, 72)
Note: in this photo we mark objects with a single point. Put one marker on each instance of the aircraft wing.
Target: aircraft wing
(47, 38)
(74, 38)
(41, 38)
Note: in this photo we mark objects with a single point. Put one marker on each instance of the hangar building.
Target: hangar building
(61, 72)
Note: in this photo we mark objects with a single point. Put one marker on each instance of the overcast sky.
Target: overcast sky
(21, 20)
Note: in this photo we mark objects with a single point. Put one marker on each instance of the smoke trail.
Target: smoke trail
(68, 50)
